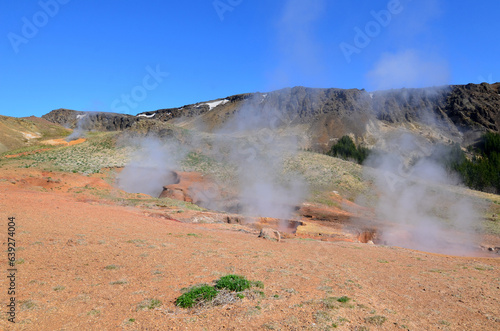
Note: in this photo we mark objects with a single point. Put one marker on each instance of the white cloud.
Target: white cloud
(408, 69)
(299, 51)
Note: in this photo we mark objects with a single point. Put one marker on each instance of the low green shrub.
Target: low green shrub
(344, 299)
(224, 290)
(195, 295)
(234, 283)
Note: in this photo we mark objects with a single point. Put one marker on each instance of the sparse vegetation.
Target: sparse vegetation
(258, 284)
(28, 305)
(336, 302)
(99, 151)
(344, 299)
(111, 267)
(136, 241)
(324, 173)
(377, 320)
(322, 317)
(149, 304)
(118, 282)
(94, 312)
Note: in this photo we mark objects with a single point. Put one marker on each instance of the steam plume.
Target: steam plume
(150, 168)
(417, 205)
(259, 155)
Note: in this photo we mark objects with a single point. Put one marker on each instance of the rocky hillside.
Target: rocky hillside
(100, 121)
(21, 132)
(459, 113)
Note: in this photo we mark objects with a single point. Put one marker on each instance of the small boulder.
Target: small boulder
(270, 234)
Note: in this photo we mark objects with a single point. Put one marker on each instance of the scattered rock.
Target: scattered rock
(490, 249)
(233, 220)
(367, 236)
(270, 234)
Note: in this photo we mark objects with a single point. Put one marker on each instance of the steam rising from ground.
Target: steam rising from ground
(253, 144)
(150, 167)
(79, 130)
(264, 187)
(416, 205)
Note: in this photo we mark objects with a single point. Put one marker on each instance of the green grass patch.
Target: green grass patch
(343, 299)
(336, 302)
(234, 283)
(196, 295)
(226, 290)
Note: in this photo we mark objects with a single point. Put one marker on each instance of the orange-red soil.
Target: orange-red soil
(86, 263)
(62, 141)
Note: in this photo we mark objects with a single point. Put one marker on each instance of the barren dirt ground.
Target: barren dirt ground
(88, 264)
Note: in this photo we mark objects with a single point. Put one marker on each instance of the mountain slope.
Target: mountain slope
(458, 113)
(21, 132)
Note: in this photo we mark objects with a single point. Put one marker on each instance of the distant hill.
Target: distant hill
(21, 132)
(455, 113)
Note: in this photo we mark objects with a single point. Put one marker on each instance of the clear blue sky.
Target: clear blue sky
(98, 55)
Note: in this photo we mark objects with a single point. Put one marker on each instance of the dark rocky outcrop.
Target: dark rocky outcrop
(92, 120)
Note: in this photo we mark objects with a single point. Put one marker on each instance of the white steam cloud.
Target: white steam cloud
(266, 189)
(150, 167)
(252, 145)
(79, 130)
(417, 205)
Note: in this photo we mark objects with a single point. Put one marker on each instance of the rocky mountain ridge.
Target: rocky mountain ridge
(459, 113)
